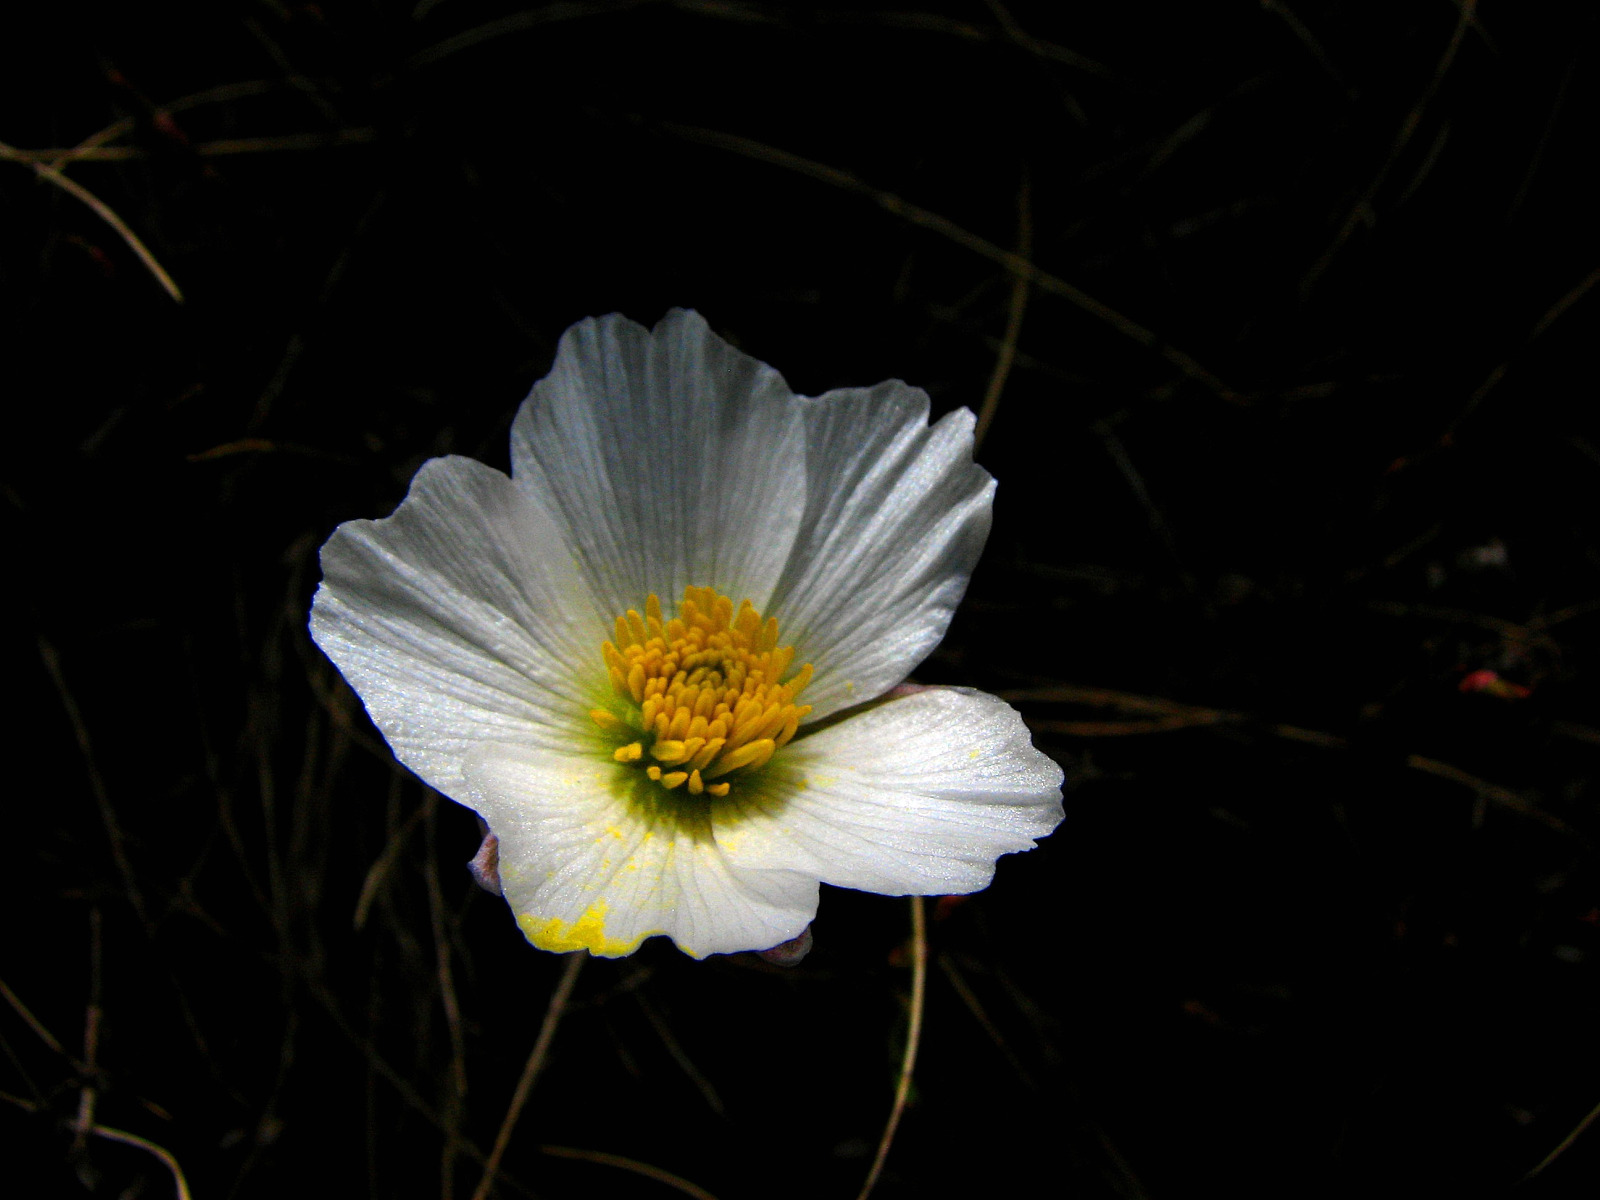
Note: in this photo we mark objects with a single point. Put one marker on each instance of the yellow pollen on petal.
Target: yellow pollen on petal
(588, 932)
(703, 693)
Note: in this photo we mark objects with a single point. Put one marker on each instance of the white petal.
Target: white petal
(459, 620)
(918, 795)
(594, 856)
(896, 516)
(668, 457)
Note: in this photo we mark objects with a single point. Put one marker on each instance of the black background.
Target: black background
(1319, 922)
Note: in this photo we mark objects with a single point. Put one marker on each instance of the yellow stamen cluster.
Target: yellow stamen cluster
(703, 690)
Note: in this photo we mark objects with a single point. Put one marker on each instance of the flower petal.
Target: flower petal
(594, 856)
(668, 457)
(461, 619)
(918, 795)
(896, 515)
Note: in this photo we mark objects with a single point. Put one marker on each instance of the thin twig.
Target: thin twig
(530, 1072)
(681, 1056)
(89, 1095)
(902, 1090)
(1018, 306)
(123, 1136)
(97, 783)
(1550, 122)
(1566, 1142)
(630, 1164)
(1489, 791)
(165, 1155)
(456, 1093)
(384, 863)
(1043, 49)
(31, 1021)
(102, 210)
(90, 145)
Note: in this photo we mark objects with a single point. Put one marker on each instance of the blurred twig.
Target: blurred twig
(1536, 632)
(382, 1068)
(629, 1164)
(757, 14)
(1361, 211)
(59, 157)
(1307, 39)
(560, 10)
(1017, 306)
(902, 1090)
(963, 989)
(1154, 516)
(1163, 716)
(1578, 733)
(1017, 265)
(258, 445)
(1551, 316)
(1509, 630)
(530, 1071)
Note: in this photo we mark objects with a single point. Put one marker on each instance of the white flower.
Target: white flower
(561, 652)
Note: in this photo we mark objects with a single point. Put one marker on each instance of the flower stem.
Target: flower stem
(919, 989)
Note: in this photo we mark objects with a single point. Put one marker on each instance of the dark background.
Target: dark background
(1319, 922)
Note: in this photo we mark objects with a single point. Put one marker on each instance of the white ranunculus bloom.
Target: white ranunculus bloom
(607, 654)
